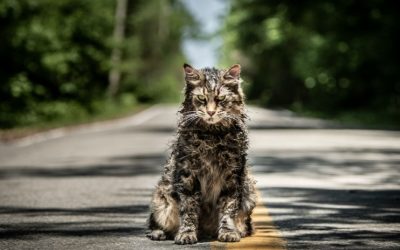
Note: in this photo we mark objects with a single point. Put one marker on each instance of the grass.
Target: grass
(110, 113)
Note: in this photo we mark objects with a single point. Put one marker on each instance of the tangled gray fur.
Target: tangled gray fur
(205, 189)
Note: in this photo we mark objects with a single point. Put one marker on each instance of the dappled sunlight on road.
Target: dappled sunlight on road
(319, 188)
(354, 219)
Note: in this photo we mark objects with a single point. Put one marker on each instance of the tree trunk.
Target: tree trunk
(119, 28)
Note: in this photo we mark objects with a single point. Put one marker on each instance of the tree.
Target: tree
(55, 56)
(324, 56)
(119, 27)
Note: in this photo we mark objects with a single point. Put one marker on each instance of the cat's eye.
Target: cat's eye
(201, 98)
(221, 98)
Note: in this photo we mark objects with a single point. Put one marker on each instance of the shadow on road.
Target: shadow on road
(92, 211)
(127, 220)
(336, 218)
(125, 166)
(69, 229)
(114, 221)
(308, 217)
(371, 166)
(341, 217)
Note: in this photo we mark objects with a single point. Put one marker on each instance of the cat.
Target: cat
(205, 189)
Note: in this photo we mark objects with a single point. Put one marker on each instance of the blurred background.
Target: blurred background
(330, 183)
(74, 61)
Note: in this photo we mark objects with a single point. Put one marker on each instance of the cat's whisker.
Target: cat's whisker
(189, 112)
(185, 122)
(189, 119)
(230, 116)
(195, 120)
(188, 116)
(236, 119)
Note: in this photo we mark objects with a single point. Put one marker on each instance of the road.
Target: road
(320, 186)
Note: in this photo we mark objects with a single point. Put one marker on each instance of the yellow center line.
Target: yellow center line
(266, 235)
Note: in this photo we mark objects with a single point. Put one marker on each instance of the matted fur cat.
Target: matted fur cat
(206, 190)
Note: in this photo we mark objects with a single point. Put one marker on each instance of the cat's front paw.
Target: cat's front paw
(157, 235)
(186, 238)
(229, 236)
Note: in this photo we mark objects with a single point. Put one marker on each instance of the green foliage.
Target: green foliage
(55, 56)
(319, 55)
(154, 37)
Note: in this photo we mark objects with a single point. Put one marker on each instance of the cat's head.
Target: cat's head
(213, 96)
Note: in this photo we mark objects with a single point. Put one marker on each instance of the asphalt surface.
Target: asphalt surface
(325, 187)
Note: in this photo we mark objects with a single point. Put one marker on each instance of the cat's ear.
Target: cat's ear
(232, 75)
(192, 76)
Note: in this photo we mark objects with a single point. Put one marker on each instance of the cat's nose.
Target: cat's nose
(211, 113)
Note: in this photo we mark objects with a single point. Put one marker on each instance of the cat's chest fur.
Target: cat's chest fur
(212, 179)
(216, 158)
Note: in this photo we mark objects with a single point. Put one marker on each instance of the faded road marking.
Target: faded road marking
(266, 236)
